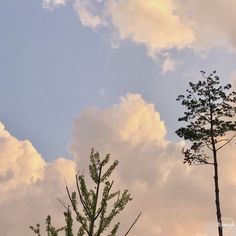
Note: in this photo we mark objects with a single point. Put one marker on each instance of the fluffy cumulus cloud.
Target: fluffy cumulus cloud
(152, 23)
(29, 186)
(124, 121)
(21, 165)
(161, 25)
(175, 199)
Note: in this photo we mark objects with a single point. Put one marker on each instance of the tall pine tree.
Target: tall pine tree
(210, 117)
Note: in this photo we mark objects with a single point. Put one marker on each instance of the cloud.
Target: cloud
(152, 23)
(51, 4)
(211, 29)
(132, 120)
(168, 64)
(151, 168)
(161, 25)
(87, 18)
(29, 185)
(21, 165)
(101, 91)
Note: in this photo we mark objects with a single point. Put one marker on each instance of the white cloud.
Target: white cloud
(168, 65)
(29, 186)
(175, 23)
(161, 25)
(21, 165)
(137, 121)
(151, 22)
(87, 18)
(101, 91)
(51, 4)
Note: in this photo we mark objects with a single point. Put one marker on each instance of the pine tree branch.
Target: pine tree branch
(205, 163)
(222, 140)
(64, 204)
(77, 213)
(135, 221)
(111, 215)
(197, 112)
(86, 208)
(93, 218)
(226, 142)
(100, 210)
(209, 147)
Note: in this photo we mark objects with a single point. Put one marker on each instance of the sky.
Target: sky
(77, 74)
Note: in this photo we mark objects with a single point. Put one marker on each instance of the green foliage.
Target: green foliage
(210, 108)
(94, 208)
(36, 229)
(95, 201)
(51, 231)
(69, 223)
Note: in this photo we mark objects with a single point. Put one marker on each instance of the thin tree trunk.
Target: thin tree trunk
(217, 195)
(216, 175)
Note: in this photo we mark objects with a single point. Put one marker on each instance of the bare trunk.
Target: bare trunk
(217, 195)
(216, 175)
